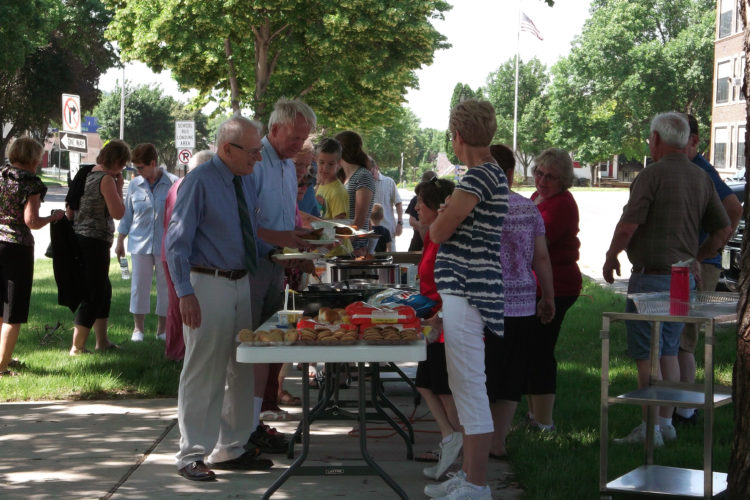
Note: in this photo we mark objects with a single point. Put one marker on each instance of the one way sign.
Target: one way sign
(73, 142)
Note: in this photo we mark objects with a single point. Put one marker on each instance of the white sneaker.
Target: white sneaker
(161, 336)
(137, 336)
(638, 435)
(442, 489)
(448, 454)
(668, 432)
(466, 491)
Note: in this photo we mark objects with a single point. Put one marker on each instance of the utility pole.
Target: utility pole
(401, 169)
(122, 104)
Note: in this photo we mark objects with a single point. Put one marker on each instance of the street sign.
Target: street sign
(184, 155)
(73, 142)
(184, 134)
(71, 113)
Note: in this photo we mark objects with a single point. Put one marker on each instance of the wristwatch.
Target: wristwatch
(400, 223)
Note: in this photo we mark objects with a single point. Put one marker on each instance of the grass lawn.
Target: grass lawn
(136, 370)
(560, 466)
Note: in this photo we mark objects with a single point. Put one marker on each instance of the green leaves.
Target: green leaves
(633, 59)
(351, 60)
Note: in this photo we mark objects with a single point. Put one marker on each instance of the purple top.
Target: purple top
(521, 227)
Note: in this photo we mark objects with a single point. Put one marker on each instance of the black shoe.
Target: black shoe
(678, 419)
(246, 461)
(269, 440)
(197, 471)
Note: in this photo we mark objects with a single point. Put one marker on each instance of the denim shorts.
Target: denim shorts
(639, 332)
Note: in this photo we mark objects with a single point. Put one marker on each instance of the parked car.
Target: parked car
(730, 256)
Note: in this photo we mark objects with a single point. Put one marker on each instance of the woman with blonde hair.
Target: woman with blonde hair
(470, 283)
(21, 195)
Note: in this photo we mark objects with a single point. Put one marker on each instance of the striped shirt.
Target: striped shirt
(468, 264)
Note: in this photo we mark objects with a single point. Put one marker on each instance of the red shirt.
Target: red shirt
(560, 214)
(426, 271)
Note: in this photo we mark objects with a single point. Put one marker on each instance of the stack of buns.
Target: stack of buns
(332, 316)
(275, 336)
(327, 336)
(389, 335)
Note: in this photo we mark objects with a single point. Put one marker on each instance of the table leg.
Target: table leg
(305, 424)
(325, 395)
(379, 397)
(363, 435)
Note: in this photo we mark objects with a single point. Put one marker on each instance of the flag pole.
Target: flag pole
(515, 98)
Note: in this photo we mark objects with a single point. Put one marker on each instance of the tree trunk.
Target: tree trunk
(233, 85)
(265, 64)
(738, 480)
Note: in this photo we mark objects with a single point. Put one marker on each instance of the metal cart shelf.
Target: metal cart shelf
(706, 310)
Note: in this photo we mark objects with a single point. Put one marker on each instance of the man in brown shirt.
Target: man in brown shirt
(670, 201)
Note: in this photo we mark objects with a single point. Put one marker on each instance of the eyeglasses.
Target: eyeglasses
(248, 151)
(547, 177)
(303, 184)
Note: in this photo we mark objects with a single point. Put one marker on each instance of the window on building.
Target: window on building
(720, 147)
(723, 77)
(740, 147)
(725, 17)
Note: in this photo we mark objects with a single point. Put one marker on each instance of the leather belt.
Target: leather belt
(651, 270)
(233, 275)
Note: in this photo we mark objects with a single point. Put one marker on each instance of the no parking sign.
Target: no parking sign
(184, 155)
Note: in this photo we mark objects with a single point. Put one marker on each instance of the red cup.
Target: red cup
(679, 291)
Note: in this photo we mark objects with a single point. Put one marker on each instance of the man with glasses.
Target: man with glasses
(275, 180)
(211, 246)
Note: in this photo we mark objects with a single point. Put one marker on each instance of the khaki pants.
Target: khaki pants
(214, 401)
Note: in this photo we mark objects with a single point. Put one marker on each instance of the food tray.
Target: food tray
(702, 304)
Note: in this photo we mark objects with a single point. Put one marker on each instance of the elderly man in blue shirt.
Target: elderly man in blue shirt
(275, 180)
(210, 248)
(143, 225)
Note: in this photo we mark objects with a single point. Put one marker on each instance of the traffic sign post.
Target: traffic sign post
(73, 142)
(184, 134)
(71, 113)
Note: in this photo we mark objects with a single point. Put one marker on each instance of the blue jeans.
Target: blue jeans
(639, 332)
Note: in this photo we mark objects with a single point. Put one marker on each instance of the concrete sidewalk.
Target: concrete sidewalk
(125, 449)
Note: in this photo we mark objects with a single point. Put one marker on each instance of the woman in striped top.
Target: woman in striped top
(470, 282)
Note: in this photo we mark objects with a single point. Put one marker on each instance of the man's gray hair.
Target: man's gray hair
(200, 157)
(285, 112)
(232, 129)
(672, 127)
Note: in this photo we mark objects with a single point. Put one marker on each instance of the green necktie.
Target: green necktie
(246, 225)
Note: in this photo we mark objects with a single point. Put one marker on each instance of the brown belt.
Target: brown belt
(230, 274)
(651, 270)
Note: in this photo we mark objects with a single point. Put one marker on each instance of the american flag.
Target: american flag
(528, 25)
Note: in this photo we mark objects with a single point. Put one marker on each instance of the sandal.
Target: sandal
(16, 363)
(78, 352)
(287, 399)
(8, 373)
(110, 347)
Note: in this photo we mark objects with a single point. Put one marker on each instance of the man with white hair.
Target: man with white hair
(211, 246)
(275, 180)
(670, 201)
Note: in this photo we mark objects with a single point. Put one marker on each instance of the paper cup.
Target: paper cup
(288, 319)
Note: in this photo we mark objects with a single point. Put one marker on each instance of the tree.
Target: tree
(351, 60)
(738, 477)
(50, 47)
(631, 61)
(533, 123)
(461, 92)
(149, 117)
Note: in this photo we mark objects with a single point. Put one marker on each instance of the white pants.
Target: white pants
(142, 276)
(463, 329)
(214, 400)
